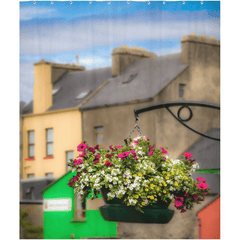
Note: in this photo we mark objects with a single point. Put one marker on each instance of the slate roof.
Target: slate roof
(71, 85)
(145, 79)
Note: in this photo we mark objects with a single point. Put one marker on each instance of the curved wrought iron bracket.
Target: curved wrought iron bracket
(182, 104)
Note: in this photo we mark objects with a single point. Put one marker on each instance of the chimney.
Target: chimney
(199, 49)
(45, 74)
(123, 57)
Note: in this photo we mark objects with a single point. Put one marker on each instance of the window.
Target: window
(181, 90)
(49, 174)
(31, 144)
(98, 136)
(131, 77)
(31, 175)
(49, 141)
(80, 208)
(29, 193)
(69, 155)
(83, 94)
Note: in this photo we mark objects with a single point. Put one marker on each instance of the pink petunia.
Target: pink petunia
(164, 151)
(183, 210)
(180, 198)
(70, 184)
(187, 195)
(178, 204)
(91, 149)
(187, 155)
(195, 196)
(77, 161)
(133, 152)
(108, 164)
(136, 157)
(123, 155)
(81, 147)
(97, 157)
(97, 161)
(119, 147)
(83, 154)
(202, 186)
(201, 179)
(109, 155)
(97, 147)
(150, 153)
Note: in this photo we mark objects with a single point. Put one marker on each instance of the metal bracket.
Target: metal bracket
(182, 104)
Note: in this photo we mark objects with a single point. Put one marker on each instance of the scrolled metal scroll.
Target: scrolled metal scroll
(182, 104)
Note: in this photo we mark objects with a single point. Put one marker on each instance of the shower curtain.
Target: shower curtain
(106, 58)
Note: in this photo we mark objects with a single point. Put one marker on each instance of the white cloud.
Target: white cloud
(27, 13)
(89, 33)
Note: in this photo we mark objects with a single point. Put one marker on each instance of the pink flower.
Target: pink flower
(179, 198)
(97, 157)
(78, 174)
(205, 193)
(119, 147)
(183, 210)
(111, 147)
(132, 144)
(83, 154)
(150, 153)
(133, 152)
(136, 157)
(70, 184)
(187, 195)
(187, 155)
(149, 148)
(123, 155)
(97, 147)
(202, 186)
(178, 204)
(164, 151)
(81, 147)
(201, 179)
(195, 196)
(75, 178)
(145, 139)
(77, 161)
(108, 164)
(136, 141)
(91, 149)
(109, 155)
(97, 161)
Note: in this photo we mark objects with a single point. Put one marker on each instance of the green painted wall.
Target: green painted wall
(59, 224)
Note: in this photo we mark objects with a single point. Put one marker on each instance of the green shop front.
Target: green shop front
(65, 216)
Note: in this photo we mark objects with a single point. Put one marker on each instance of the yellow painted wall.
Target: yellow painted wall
(67, 136)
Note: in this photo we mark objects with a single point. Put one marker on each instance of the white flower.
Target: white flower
(146, 157)
(110, 185)
(146, 201)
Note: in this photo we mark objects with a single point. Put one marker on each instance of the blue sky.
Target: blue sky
(58, 32)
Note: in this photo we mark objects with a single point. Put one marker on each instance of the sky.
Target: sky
(59, 31)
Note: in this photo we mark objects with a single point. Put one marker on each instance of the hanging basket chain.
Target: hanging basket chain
(135, 127)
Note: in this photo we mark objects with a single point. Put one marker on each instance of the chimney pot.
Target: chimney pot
(204, 35)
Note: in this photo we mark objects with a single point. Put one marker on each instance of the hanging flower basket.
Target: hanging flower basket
(137, 181)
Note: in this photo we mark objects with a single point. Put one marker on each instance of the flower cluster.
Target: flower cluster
(138, 173)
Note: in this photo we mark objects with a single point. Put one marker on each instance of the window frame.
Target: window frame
(101, 133)
(181, 87)
(31, 144)
(49, 142)
(79, 210)
(68, 159)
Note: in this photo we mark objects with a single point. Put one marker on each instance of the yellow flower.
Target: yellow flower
(172, 173)
(134, 175)
(136, 196)
(164, 191)
(159, 194)
(164, 172)
(152, 187)
(144, 173)
(149, 167)
(140, 174)
(160, 184)
(157, 189)
(155, 199)
(146, 189)
(143, 203)
(168, 174)
(151, 179)
(167, 177)
(176, 184)
(186, 177)
(146, 185)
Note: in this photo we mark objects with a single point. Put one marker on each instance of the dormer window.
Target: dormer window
(82, 94)
(55, 90)
(130, 78)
